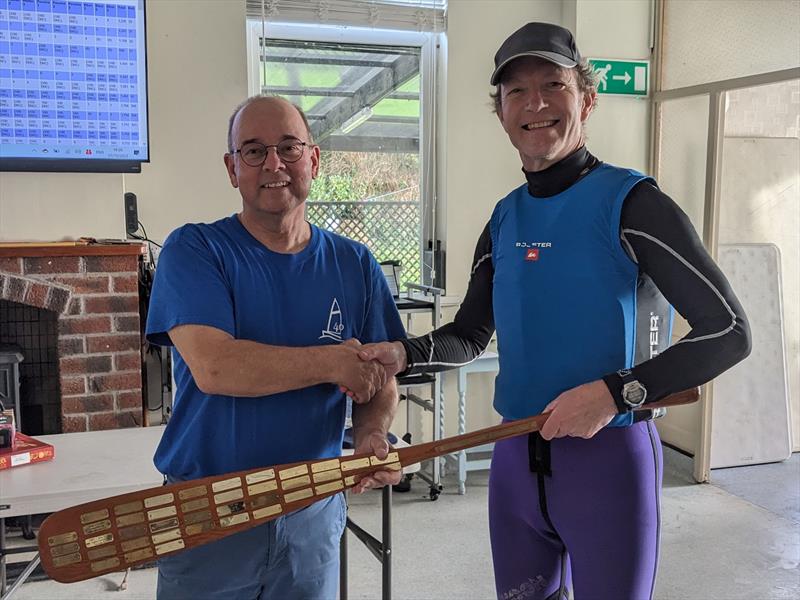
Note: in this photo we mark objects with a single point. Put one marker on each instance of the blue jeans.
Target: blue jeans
(295, 557)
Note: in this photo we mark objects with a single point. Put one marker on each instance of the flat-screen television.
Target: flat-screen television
(73, 86)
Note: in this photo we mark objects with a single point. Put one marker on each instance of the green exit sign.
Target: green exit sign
(624, 77)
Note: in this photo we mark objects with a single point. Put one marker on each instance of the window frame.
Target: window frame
(431, 94)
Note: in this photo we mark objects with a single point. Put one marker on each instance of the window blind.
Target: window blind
(409, 15)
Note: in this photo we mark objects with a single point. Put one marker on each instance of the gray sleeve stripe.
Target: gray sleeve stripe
(432, 363)
(702, 278)
(629, 248)
(478, 264)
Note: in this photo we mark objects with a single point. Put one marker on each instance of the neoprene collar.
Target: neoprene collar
(558, 177)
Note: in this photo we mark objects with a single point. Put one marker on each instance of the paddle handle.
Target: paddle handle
(420, 452)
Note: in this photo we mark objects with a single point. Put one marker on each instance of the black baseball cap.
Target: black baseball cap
(545, 40)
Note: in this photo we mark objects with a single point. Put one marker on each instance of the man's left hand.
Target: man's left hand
(579, 412)
(376, 443)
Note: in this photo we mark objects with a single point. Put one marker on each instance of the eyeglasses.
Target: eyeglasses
(255, 153)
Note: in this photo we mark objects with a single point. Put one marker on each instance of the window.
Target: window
(367, 96)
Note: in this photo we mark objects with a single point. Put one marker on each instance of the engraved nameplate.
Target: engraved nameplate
(99, 540)
(293, 472)
(94, 516)
(135, 544)
(132, 532)
(391, 457)
(358, 463)
(65, 549)
(260, 476)
(264, 500)
(197, 517)
(234, 520)
(170, 547)
(154, 501)
(130, 519)
(63, 538)
(160, 538)
(192, 492)
(68, 559)
(297, 482)
(259, 488)
(96, 527)
(124, 509)
(351, 480)
(268, 511)
(102, 565)
(194, 505)
(160, 513)
(329, 487)
(295, 496)
(325, 465)
(327, 476)
(138, 555)
(229, 509)
(198, 528)
(162, 525)
(228, 496)
(226, 484)
(101, 552)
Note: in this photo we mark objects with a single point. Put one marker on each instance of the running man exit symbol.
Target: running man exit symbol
(623, 77)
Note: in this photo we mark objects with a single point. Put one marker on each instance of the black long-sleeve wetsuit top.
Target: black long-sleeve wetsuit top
(660, 239)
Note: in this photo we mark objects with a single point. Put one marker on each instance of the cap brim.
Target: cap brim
(557, 59)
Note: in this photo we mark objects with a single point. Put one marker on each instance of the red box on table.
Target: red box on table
(26, 450)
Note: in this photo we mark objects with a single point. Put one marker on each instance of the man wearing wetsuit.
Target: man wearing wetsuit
(556, 272)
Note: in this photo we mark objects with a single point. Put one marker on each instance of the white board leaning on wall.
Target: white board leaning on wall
(750, 423)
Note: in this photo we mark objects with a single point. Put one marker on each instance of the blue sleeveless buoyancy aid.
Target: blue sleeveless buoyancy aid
(564, 290)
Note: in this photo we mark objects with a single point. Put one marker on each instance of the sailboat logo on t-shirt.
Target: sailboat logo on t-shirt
(335, 326)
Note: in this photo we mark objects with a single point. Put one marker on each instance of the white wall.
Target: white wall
(759, 204)
(708, 41)
(197, 75)
(618, 132)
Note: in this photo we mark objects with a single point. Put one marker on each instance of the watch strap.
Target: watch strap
(614, 384)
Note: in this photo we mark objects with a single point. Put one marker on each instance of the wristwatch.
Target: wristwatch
(633, 392)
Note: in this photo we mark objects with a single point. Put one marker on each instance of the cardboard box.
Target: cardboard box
(26, 450)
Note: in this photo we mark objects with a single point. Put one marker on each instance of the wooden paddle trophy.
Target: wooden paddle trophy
(117, 533)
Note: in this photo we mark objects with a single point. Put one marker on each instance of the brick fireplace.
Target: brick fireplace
(74, 312)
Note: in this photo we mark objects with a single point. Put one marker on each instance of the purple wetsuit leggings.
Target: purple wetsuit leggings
(591, 526)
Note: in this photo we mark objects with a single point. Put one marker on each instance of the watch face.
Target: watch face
(633, 393)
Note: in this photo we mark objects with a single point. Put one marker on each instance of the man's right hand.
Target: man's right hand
(391, 355)
(362, 378)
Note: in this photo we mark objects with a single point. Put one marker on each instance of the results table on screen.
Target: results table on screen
(72, 78)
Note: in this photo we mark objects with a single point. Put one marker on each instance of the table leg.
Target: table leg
(343, 565)
(2, 556)
(380, 549)
(29, 568)
(462, 428)
(386, 542)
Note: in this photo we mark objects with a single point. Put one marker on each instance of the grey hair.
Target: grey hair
(584, 74)
(257, 98)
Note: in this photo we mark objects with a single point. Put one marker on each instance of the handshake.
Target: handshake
(362, 370)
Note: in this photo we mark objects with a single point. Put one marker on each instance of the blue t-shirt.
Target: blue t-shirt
(219, 275)
(564, 291)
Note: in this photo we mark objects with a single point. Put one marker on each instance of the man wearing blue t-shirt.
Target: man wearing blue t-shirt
(259, 307)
